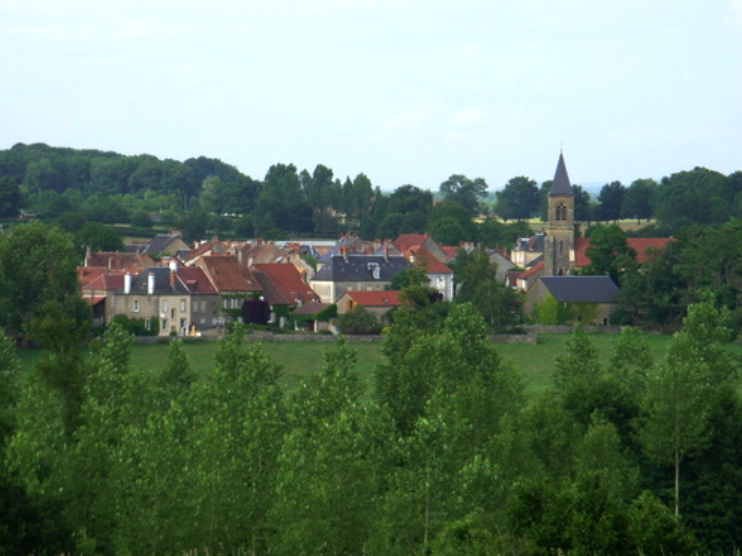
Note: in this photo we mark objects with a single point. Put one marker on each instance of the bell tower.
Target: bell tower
(560, 232)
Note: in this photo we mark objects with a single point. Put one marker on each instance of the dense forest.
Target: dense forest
(205, 195)
(445, 456)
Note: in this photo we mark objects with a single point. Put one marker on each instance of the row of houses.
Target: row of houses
(172, 287)
(189, 289)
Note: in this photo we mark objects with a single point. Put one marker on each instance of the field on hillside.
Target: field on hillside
(302, 359)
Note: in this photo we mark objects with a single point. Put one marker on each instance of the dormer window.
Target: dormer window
(375, 270)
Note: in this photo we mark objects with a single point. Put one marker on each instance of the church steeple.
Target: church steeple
(560, 235)
(561, 185)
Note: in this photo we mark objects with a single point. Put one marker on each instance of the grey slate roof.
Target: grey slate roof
(162, 283)
(561, 187)
(360, 268)
(159, 243)
(581, 289)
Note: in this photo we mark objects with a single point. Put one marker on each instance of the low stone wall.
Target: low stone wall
(530, 337)
(568, 328)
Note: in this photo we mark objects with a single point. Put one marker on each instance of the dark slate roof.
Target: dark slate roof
(582, 289)
(159, 243)
(561, 186)
(162, 283)
(361, 268)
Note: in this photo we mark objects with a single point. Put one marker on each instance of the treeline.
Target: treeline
(445, 456)
(696, 197)
(205, 195)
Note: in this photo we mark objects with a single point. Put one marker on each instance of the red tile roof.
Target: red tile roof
(538, 267)
(106, 282)
(228, 275)
(194, 278)
(282, 284)
(640, 244)
(424, 259)
(121, 262)
(405, 242)
(450, 251)
(376, 298)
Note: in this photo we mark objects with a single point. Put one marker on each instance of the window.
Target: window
(182, 305)
(135, 306)
(164, 306)
(163, 326)
(172, 313)
(148, 324)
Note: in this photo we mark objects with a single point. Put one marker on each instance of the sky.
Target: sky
(404, 91)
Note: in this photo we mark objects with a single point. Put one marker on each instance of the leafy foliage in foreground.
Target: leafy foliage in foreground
(446, 458)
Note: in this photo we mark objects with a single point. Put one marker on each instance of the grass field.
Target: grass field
(302, 359)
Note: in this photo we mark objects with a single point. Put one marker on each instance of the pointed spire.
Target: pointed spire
(561, 186)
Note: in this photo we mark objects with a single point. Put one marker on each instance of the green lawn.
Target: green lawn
(302, 359)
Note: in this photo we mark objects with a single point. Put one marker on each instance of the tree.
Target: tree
(443, 219)
(256, 311)
(193, 224)
(684, 197)
(582, 204)
(609, 253)
(610, 200)
(99, 237)
(476, 283)
(468, 193)
(357, 321)
(677, 405)
(37, 265)
(638, 200)
(10, 197)
(519, 199)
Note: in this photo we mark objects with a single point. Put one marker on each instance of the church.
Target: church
(588, 299)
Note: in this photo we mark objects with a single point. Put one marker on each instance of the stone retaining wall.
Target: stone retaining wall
(530, 337)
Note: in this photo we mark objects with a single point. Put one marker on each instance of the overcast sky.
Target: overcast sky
(405, 91)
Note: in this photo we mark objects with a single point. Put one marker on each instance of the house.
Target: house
(233, 282)
(406, 243)
(96, 291)
(440, 275)
(588, 299)
(527, 278)
(204, 297)
(100, 263)
(283, 288)
(310, 317)
(527, 249)
(352, 272)
(165, 244)
(166, 299)
(378, 303)
(503, 262)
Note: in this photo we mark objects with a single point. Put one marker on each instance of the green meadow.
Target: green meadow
(300, 360)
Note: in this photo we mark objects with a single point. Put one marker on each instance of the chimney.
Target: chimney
(386, 250)
(344, 252)
(127, 283)
(151, 283)
(172, 277)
